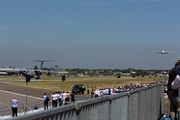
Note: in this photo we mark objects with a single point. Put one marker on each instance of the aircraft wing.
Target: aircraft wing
(169, 52)
(164, 52)
(159, 52)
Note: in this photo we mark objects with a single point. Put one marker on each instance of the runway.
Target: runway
(8, 91)
(34, 95)
(6, 98)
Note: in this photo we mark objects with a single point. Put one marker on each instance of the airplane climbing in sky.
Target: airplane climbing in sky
(163, 52)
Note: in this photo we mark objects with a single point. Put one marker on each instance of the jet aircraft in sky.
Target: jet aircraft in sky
(163, 52)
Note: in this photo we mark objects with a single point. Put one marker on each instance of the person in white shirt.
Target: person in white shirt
(96, 93)
(59, 97)
(104, 91)
(116, 90)
(64, 97)
(107, 91)
(53, 97)
(176, 83)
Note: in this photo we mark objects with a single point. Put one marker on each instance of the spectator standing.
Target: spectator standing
(67, 96)
(111, 90)
(101, 92)
(176, 83)
(130, 82)
(57, 96)
(14, 104)
(107, 91)
(173, 94)
(92, 93)
(73, 97)
(104, 91)
(64, 97)
(60, 100)
(53, 97)
(88, 88)
(83, 89)
(96, 93)
(45, 101)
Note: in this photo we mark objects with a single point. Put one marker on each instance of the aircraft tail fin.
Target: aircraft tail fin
(42, 61)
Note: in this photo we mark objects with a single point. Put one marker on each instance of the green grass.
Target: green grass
(55, 83)
(11, 77)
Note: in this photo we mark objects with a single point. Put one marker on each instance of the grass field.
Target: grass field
(55, 83)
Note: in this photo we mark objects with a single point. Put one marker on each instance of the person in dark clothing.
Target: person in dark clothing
(60, 96)
(92, 93)
(173, 94)
(109, 91)
(45, 101)
(56, 99)
(73, 97)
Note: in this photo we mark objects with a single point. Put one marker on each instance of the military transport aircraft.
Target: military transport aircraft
(35, 73)
(163, 52)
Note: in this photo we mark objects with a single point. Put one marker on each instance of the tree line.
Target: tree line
(138, 72)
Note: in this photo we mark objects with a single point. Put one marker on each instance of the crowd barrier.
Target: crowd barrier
(139, 104)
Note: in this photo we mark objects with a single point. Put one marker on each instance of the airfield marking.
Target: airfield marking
(21, 95)
(4, 104)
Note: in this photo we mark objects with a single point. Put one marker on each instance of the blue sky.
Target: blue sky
(105, 34)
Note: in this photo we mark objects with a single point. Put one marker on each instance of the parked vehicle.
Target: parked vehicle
(78, 88)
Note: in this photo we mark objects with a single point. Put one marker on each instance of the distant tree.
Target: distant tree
(72, 73)
(35, 67)
(10, 66)
(116, 70)
(44, 68)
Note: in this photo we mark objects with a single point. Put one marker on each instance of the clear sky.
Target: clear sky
(92, 34)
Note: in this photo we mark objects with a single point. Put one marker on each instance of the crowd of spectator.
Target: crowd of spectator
(58, 99)
(124, 88)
